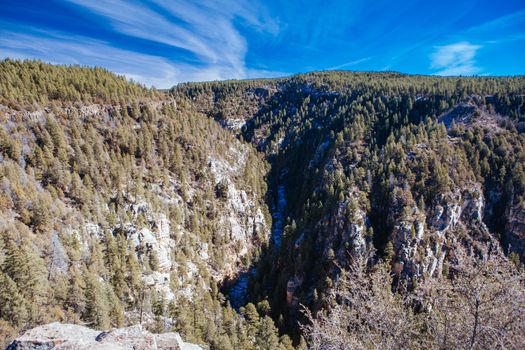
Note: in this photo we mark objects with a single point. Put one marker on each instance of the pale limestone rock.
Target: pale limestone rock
(423, 252)
(57, 336)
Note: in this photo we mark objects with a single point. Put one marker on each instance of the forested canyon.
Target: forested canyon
(327, 210)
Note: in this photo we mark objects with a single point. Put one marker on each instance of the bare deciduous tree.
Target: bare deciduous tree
(363, 313)
(480, 305)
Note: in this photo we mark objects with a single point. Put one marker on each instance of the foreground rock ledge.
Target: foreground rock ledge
(74, 337)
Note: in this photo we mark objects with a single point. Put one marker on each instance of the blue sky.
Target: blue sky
(161, 42)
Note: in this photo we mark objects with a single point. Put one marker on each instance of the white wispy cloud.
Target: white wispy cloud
(455, 59)
(60, 48)
(515, 19)
(206, 30)
(504, 29)
(350, 63)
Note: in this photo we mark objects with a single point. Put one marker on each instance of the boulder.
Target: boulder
(58, 336)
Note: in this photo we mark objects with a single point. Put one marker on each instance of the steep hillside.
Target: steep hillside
(416, 168)
(120, 205)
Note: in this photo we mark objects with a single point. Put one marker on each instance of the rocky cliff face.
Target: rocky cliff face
(190, 227)
(57, 336)
(240, 212)
(422, 238)
(337, 239)
(515, 229)
(232, 109)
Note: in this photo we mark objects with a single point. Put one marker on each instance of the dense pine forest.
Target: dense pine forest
(329, 210)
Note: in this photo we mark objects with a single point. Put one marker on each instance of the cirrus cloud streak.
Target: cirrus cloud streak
(455, 59)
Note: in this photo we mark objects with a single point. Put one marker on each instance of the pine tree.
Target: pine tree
(389, 251)
(264, 308)
(76, 301)
(27, 270)
(285, 343)
(40, 216)
(97, 307)
(154, 260)
(116, 311)
(158, 304)
(133, 277)
(16, 263)
(12, 304)
(267, 335)
(252, 319)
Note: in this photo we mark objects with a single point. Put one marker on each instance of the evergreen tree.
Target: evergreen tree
(267, 335)
(75, 300)
(13, 306)
(97, 308)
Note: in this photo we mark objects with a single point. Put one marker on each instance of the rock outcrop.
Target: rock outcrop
(515, 230)
(420, 237)
(165, 214)
(347, 226)
(74, 337)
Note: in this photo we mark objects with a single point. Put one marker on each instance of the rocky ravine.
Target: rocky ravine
(69, 336)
